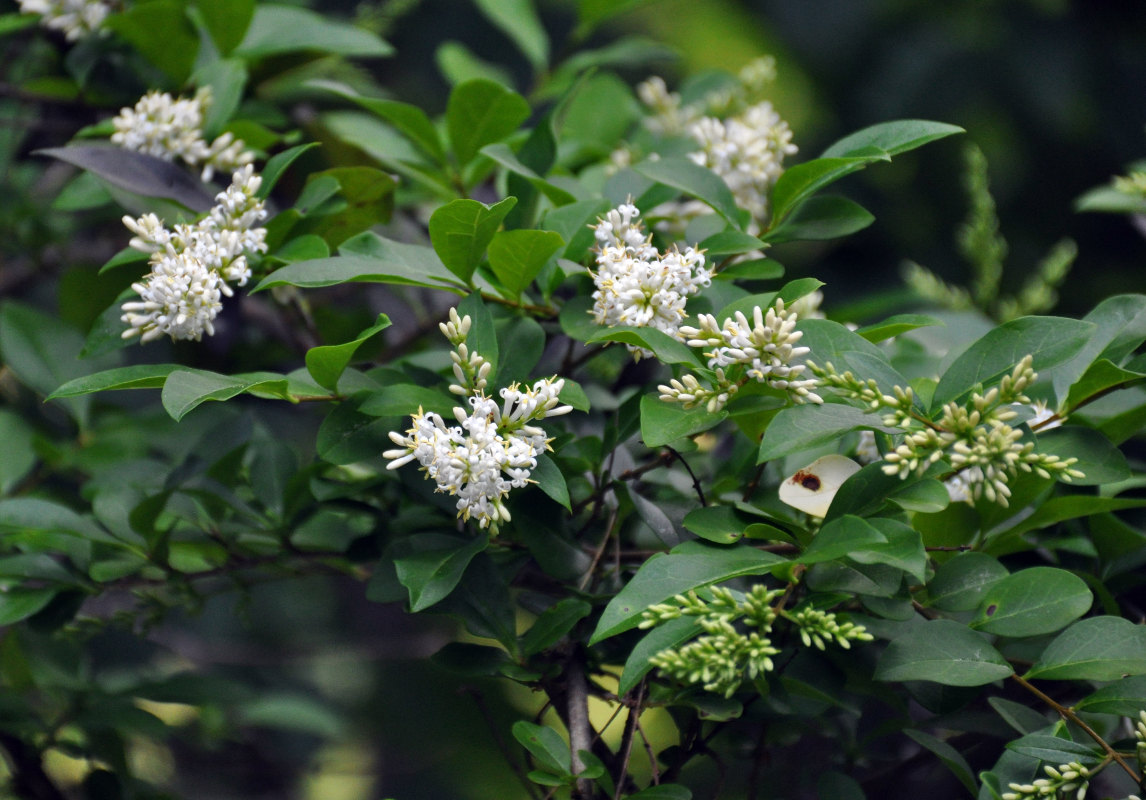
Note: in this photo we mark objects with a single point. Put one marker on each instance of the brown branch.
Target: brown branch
(1069, 715)
(626, 750)
(580, 731)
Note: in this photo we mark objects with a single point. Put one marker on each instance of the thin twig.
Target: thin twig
(588, 576)
(695, 481)
(1069, 715)
(653, 766)
(626, 751)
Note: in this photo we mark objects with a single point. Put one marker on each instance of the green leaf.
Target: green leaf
(516, 257)
(277, 29)
(546, 745)
(728, 243)
(1099, 460)
(667, 349)
(482, 337)
(810, 425)
(903, 549)
(801, 181)
(227, 20)
(1054, 750)
(10, 23)
(695, 181)
(410, 120)
(137, 173)
(662, 637)
(21, 514)
(554, 623)
(175, 50)
(327, 363)
(503, 155)
(1121, 327)
(927, 496)
(550, 480)
(226, 79)
(758, 269)
(1124, 698)
(389, 262)
(951, 758)
(481, 112)
(292, 712)
(518, 20)
(689, 566)
(402, 399)
(19, 455)
(19, 603)
(720, 524)
(1050, 340)
(1110, 200)
(1094, 649)
(144, 376)
(895, 325)
(662, 423)
(1055, 510)
(818, 218)
(1032, 602)
(573, 222)
(839, 538)
(187, 389)
(891, 138)
(432, 573)
(1022, 718)
(308, 247)
(462, 229)
(458, 64)
(1100, 377)
(959, 584)
(942, 651)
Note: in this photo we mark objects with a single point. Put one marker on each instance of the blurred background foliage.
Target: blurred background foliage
(334, 696)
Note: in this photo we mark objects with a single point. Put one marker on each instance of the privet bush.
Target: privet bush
(597, 426)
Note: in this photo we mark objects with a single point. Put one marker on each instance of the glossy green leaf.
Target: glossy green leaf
(550, 480)
(1050, 340)
(695, 181)
(1054, 510)
(1124, 698)
(728, 243)
(545, 744)
(942, 651)
(720, 524)
(432, 573)
(1054, 750)
(410, 120)
(895, 325)
(757, 269)
(891, 138)
(462, 229)
(20, 514)
(518, 20)
(553, 624)
(308, 247)
(838, 538)
(903, 549)
(1022, 718)
(327, 363)
(277, 29)
(19, 455)
(1099, 460)
(19, 603)
(278, 164)
(573, 222)
(516, 257)
(174, 52)
(187, 389)
(1120, 327)
(869, 490)
(812, 424)
(137, 173)
(503, 155)
(667, 349)
(458, 64)
(1032, 602)
(227, 20)
(1095, 649)
(662, 423)
(143, 376)
(390, 262)
(1100, 377)
(481, 112)
(1110, 200)
(821, 217)
(402, 399)
(927, 496)
(951, 758)
(689, 566)
(801, 181)
(961, 583)
(664, 636)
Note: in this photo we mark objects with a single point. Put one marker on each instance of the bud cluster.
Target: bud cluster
(1065, 780)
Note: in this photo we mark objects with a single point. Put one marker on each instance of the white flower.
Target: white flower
(636, 284)
(813, 488)
(76, 18)
(191, 265)
(170, 128)
(493, 448)
(747, 151)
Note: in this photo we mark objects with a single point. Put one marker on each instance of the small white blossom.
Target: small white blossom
(169, 128)
(192, 265)
(636, 284)
(75, 18)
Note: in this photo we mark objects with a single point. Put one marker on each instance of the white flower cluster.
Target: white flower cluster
(493, 448)
(672, 117)
(192, 265)
(636, 284)
(747, 151)
(169, 128)
(75, 18)
(766, 346)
